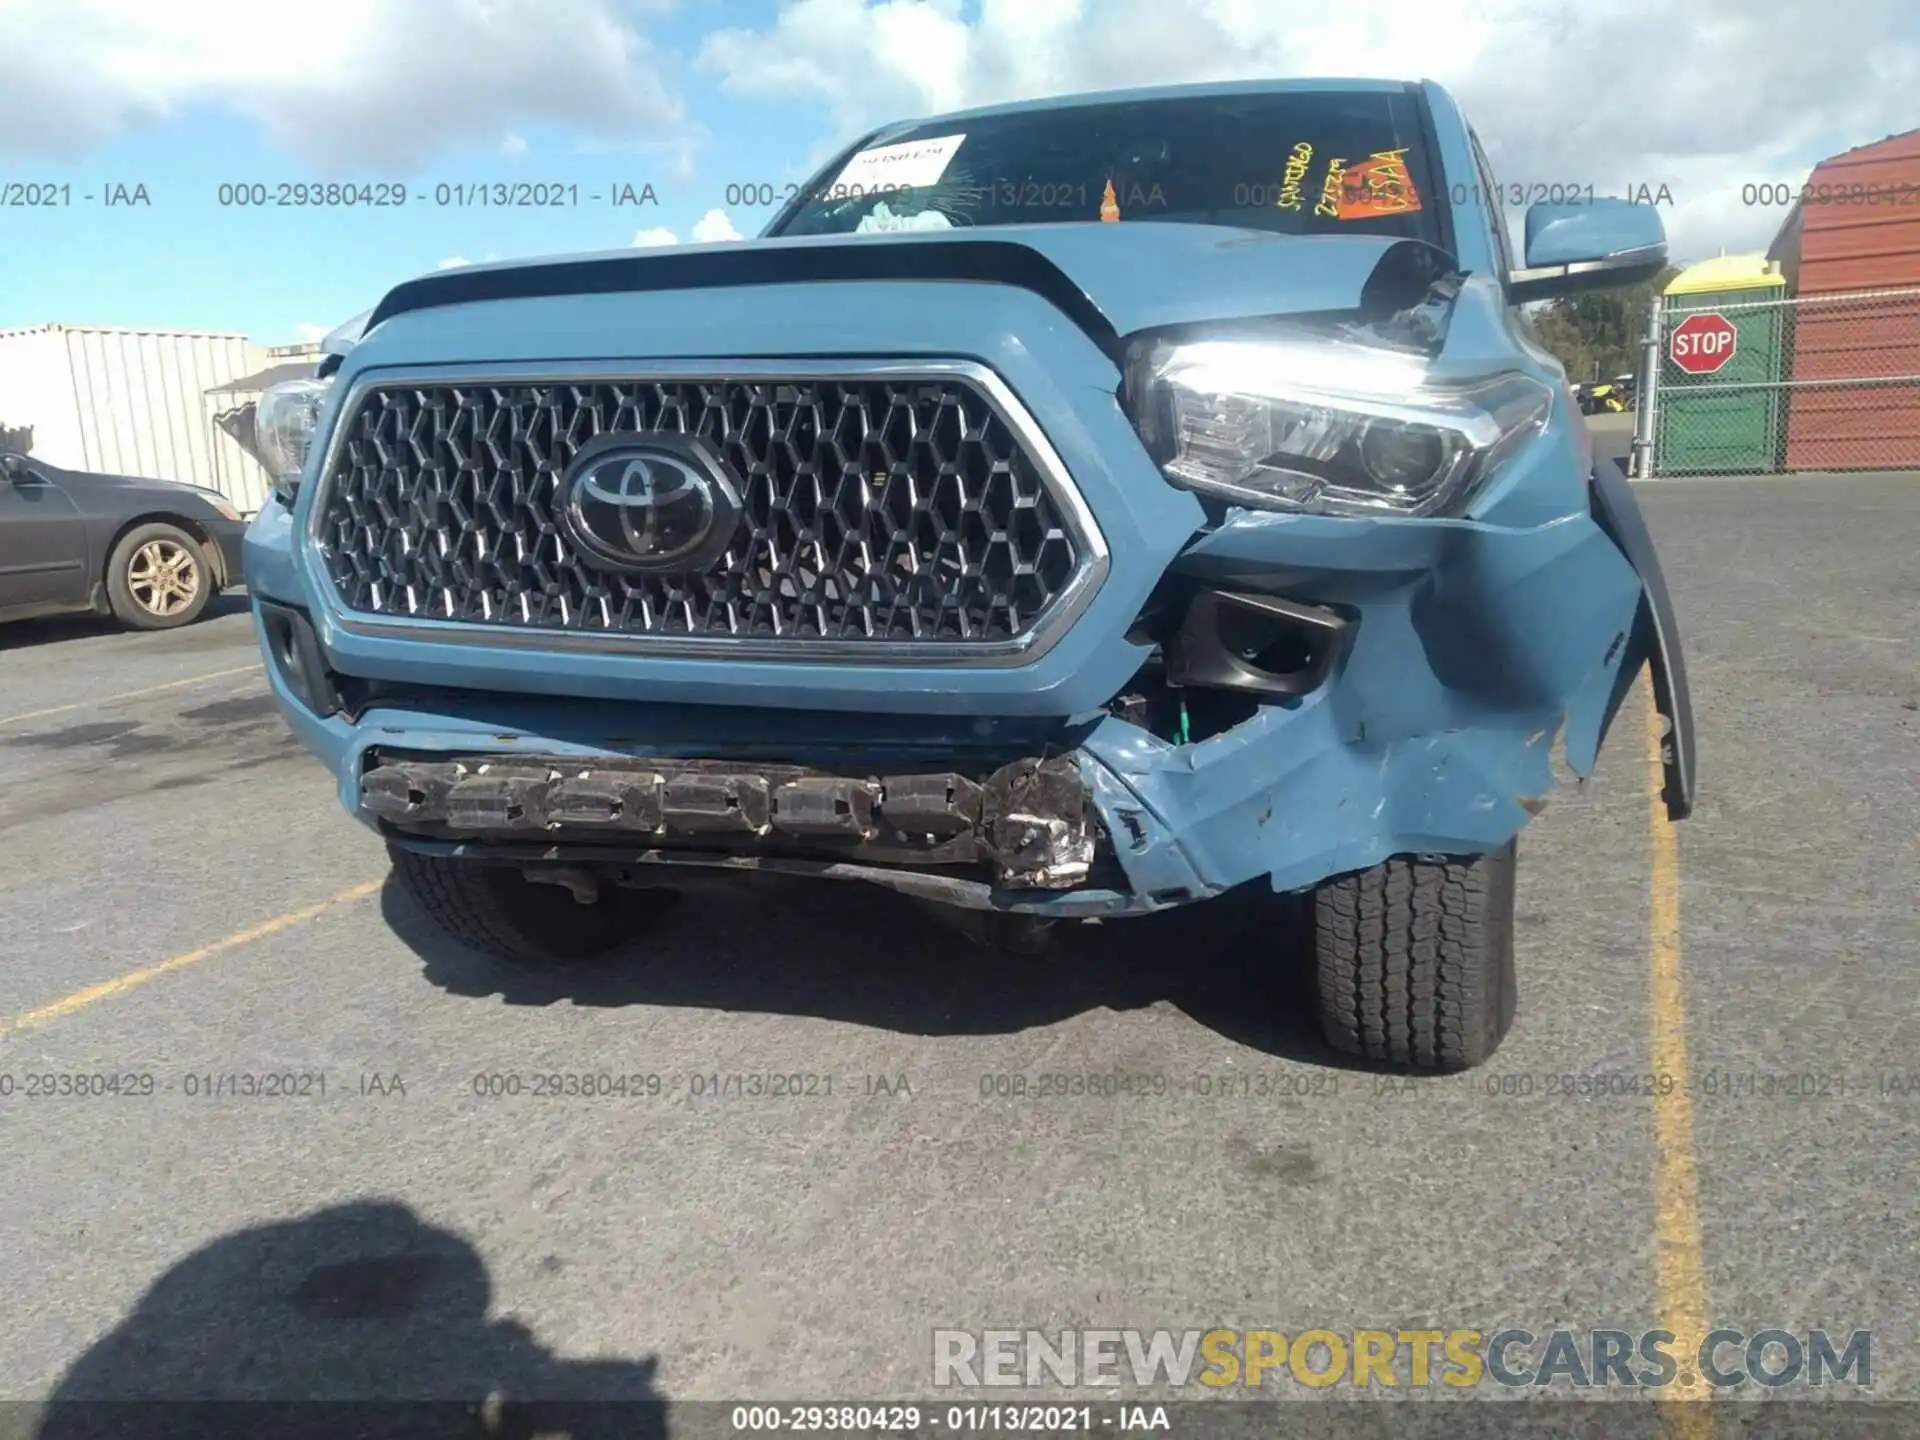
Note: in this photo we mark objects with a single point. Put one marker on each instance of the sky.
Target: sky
(158, 126)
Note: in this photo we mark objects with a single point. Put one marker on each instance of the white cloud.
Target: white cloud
(513, 147)
(381, 84)
(715, 225)
(679, 155)
(452, 262)
(308, 333)
(1704, 96)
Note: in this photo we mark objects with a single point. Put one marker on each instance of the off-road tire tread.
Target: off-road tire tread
(1414, 960)
(495, 910)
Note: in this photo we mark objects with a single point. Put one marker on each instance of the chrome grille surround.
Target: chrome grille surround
(944, 530)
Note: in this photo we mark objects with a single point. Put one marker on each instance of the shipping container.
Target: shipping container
(1856, 368)
(125, 402)
(1850, 248)
(1856, 225)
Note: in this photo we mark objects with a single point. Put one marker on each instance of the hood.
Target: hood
(101, 480)
(1114, 280)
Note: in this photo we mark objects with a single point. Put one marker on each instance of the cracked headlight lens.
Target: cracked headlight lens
(1330, 427)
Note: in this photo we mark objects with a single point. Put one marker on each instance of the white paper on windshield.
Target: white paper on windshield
(912, 163)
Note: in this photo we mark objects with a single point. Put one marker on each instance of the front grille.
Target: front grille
(879, 514)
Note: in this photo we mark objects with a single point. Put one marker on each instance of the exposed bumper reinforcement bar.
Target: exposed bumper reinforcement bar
(1031, 822)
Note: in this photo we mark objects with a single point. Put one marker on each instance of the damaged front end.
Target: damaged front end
(1028, 825)
(1106, 619)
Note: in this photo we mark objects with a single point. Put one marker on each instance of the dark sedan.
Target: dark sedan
(151, 552)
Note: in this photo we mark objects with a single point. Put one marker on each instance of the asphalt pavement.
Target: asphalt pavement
(1612, 435)
(185, 910)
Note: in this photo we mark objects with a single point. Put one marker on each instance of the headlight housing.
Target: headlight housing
(288, 414)
(1322, 425)
(284, 423)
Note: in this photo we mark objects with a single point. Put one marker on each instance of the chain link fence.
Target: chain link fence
(1750, 384)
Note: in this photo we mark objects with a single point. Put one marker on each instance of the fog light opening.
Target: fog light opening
(294, 653)
(1255, 644)
(1270, 644)
(1219, 656)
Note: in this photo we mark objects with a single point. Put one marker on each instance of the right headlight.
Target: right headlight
(287, 415)
(1327, 426)
(284, 423)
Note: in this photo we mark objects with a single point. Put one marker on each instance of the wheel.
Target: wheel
(1413, 959)
(496, 909)
(158, 577)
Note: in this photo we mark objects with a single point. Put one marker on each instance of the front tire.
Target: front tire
(1414, 959)
(158, 577)
(497, 910)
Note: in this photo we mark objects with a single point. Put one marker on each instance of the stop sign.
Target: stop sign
(1702, 343)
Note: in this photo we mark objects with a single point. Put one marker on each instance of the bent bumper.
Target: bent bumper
(1472, 646)
(1026, 826)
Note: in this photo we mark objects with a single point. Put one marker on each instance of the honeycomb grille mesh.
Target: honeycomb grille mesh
(873, 511)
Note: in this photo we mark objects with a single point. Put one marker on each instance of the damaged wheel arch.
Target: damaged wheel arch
(1654, 640)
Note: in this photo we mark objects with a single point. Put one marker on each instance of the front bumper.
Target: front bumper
(1027, 826)
(1472, 647)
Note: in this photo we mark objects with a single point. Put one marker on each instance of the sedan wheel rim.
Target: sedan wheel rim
(163, 577)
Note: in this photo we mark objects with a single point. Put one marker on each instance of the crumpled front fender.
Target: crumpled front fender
(1474, 645)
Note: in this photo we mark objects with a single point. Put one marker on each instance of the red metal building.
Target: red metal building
(1850, 249)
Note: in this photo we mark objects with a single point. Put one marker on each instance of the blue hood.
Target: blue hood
(1113, 280)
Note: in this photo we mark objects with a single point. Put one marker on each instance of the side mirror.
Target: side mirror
(1571, 248)
(14, 466)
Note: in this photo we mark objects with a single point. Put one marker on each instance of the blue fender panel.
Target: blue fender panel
(267, 552)
(1474, 646)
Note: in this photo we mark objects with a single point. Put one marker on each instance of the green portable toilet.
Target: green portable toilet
(1721, 409)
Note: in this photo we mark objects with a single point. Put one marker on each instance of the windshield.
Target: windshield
(1299, 163)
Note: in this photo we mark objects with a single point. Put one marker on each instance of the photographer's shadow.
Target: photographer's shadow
(356, 1320)
(858, 953)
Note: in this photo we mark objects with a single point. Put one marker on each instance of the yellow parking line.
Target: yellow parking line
(1680, 1272)
(80, 999)
(127, 695)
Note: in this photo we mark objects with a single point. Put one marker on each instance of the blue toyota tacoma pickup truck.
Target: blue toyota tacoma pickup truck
(1064, 510)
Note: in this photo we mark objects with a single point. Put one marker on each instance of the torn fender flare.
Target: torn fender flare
(1656, 635)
